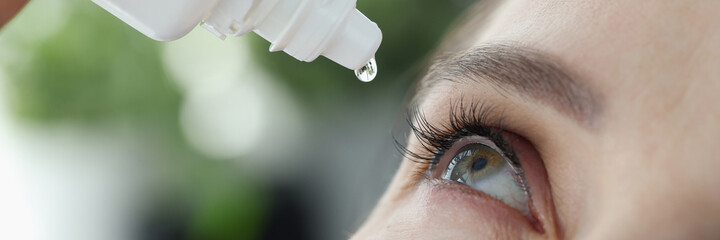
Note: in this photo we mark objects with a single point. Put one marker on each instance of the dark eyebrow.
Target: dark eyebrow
(522, 70)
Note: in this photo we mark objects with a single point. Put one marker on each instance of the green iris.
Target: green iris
(473, 162)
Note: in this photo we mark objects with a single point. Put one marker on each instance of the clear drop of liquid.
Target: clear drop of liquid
(367, 73)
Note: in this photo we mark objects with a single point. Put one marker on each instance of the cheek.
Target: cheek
(444, 210)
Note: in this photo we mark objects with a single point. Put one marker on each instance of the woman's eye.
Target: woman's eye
(481, 166)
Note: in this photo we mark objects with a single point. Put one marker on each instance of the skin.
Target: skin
(645, 169)
(8, 9)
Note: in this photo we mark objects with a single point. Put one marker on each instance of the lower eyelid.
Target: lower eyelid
(441, 193)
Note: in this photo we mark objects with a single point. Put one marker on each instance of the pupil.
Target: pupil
(479, 164)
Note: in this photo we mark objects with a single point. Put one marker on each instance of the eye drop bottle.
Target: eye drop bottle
(305, 29)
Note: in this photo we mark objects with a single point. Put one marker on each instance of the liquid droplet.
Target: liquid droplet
(367, 73)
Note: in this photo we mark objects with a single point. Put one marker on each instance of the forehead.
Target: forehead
(613, 40)
(650, 55)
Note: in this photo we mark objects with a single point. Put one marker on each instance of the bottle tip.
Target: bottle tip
(355, 42)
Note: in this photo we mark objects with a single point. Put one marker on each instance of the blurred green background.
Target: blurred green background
(107, 134)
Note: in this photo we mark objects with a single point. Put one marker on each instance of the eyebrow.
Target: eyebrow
(525, 71)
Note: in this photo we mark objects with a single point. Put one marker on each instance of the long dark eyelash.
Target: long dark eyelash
(464, 121)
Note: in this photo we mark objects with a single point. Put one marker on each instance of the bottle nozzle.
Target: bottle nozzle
(355, 43)
(304, 29)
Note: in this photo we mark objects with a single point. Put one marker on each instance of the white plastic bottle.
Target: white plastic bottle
(305, 29)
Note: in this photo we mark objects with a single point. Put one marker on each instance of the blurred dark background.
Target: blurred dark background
(107, 134)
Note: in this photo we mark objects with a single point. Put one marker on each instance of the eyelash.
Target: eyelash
(473, 119)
